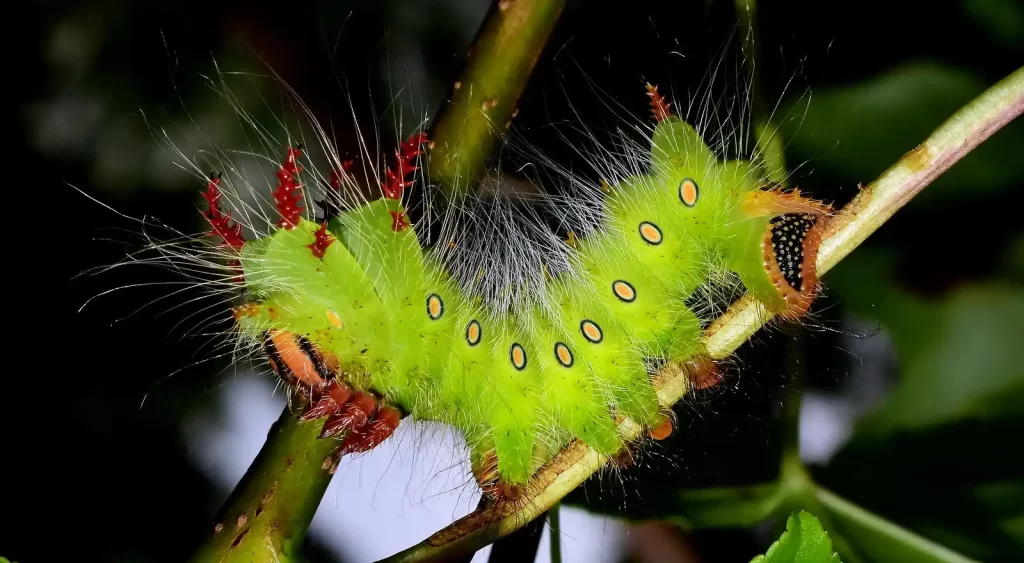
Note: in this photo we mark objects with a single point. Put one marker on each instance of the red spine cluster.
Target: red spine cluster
(221, 223)
(395, 178)
(289, 191)
(658, 104)
(323, 240)
(398, 221)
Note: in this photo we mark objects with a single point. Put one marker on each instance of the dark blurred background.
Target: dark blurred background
(915, 387)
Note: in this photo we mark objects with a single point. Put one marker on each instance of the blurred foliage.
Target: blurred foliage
(859, 130)
(960, 352)
(860, 84)
(804, 541)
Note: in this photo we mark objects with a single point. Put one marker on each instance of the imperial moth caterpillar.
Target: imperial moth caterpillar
(370, 325)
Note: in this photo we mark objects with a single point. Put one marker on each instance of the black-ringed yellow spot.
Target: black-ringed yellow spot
(518, 356)
(334, 319)
(689, 193)
(473, 333)
(650, 233)
(624, 291)
(435, 307)
(563, 355)
(591, 331)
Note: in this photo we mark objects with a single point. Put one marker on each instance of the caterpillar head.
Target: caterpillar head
(777, 248)
(770, 236)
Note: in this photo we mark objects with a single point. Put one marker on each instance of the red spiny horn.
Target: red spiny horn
(395, 183)
(220, 221)
(323, 240)
(658, 104)
(398, 221)
(289, 191)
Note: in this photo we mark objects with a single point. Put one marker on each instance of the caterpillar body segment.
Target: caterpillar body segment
(373, 327)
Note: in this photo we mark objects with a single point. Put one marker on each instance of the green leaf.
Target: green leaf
(960, 353)
(1003, 20)
(804, 541)
(957, 402)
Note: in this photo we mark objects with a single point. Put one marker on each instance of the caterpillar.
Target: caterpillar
(368, 324)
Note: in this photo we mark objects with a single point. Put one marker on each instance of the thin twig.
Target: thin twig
(954, 139)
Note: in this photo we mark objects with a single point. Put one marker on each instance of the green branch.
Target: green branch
(484, 100)
(267, 515)
(269, 512)
(961, 133)
(887, 540)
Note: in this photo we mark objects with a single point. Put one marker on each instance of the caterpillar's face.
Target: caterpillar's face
(790, 250)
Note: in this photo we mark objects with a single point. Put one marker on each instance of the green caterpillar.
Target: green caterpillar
(373, 327)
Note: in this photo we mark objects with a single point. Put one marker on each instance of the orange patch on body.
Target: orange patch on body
(295, 358)
(334, 319)
(246, 310)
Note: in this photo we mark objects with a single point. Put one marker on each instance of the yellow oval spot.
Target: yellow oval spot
(563, 354)
(473, 333)
(518, 356)
(334, 319)
(650, 233)
(688, 192)
(624, 291)
(591, 331)
(435, 307)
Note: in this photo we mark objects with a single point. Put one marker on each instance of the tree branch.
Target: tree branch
(267, 515)
(484, 100)
(954, 139)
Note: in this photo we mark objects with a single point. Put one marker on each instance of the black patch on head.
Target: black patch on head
(788, 234)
